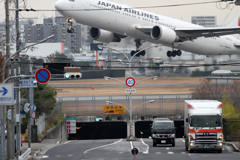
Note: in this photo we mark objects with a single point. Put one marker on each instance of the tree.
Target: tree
(215, 91)
(44, 98)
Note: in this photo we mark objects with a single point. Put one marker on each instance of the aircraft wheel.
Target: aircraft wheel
(179, 52)
(169, 53)
(132, 53)
(143, 53)
(174, 53)
(138, 53)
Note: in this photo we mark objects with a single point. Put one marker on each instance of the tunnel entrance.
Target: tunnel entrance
(142, 129)
(99, 130)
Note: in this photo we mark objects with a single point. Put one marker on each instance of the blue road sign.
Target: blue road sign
(22, 111)
(3, 91)
(42, 75)
(28, 83)
(6, 94)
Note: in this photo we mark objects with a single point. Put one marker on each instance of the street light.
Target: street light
(130, 113)
(42, 41)
(3, 78)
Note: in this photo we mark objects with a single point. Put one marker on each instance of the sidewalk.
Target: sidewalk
(234, 144)
(40, 147)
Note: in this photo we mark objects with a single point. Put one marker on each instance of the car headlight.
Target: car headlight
(221, 136)
(171, 135)
(153, 135)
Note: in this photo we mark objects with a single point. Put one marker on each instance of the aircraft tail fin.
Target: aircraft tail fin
(235, 23)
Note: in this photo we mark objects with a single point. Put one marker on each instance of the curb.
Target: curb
(59, 141)
(233, 145)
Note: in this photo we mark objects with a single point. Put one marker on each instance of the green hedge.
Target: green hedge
(102, 73)
(201, 73)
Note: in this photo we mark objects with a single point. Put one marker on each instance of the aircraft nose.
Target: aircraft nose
(59, 5)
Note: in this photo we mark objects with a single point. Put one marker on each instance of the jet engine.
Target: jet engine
(164, 34)
(103, 35)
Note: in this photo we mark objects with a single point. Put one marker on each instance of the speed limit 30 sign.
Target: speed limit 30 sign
(130, 82)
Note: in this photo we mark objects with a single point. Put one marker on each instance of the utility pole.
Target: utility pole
(18, 120)
(30, 98)
(9, 126)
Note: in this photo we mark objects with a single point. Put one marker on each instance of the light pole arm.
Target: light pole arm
(141, 61)
(142, 104)
(145, 80)
(42, 41)
(18, 77)
(116, 51)
(117, 104)
(115, 79)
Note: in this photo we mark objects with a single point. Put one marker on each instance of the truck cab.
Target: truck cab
(163, 131)
(203, 125)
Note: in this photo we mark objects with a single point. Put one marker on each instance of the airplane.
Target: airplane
(111, 22)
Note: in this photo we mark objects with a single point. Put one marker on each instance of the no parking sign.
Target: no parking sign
(42, 75)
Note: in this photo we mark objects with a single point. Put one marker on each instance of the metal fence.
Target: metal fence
(232, 130)
(93, 105)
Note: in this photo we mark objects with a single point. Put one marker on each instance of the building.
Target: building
(206, 21)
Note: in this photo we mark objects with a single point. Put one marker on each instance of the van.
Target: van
(163, 131)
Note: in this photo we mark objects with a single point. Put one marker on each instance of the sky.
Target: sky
(181, 12)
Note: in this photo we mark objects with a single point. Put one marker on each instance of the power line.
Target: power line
(163, 6)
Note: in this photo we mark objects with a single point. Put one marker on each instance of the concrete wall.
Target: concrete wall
(58, 132)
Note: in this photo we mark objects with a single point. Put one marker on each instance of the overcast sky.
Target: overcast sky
(183, 12)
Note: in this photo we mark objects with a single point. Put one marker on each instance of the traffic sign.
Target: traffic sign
(22, 111)
(6, 94)
(113, 110)
(43, 75)
(28, 83)
(33, 107)
(71, 125)
(130, 90)
(26, 107)
(33, 115)
(130, 82)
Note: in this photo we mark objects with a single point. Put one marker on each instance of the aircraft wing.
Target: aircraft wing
(193, 33)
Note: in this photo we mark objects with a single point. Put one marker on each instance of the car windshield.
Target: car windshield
(205, 121)
(163, 125)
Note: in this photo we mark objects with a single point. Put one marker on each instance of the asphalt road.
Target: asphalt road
(119, 149)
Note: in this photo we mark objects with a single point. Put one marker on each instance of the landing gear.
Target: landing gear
(174, 53)
(70, 23)
(138, 43)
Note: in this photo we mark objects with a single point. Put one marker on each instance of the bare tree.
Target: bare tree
(215, 91)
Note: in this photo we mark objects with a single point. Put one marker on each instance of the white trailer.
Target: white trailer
(203, 125)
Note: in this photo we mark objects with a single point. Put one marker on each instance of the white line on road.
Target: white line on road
(46, 156)
(131, 145)
(170, 153)
(102, 146)
(146, 152)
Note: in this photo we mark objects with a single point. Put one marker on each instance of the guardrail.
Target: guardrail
(25, 155)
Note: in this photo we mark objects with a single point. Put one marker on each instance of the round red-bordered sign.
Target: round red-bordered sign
(130, 82)
(43, 75)
(33, 115)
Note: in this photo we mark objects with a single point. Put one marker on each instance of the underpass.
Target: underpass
(116, 130)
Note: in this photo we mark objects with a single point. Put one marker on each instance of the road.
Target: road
(119, 149)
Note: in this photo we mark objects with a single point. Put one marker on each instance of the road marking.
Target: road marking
(170, 152)
(67, 142)
(46, 156)
(131, 145)
(158, 153)
(146, 152)
(183, 152)
(102, 146)
(167, 148)
(69, 155)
